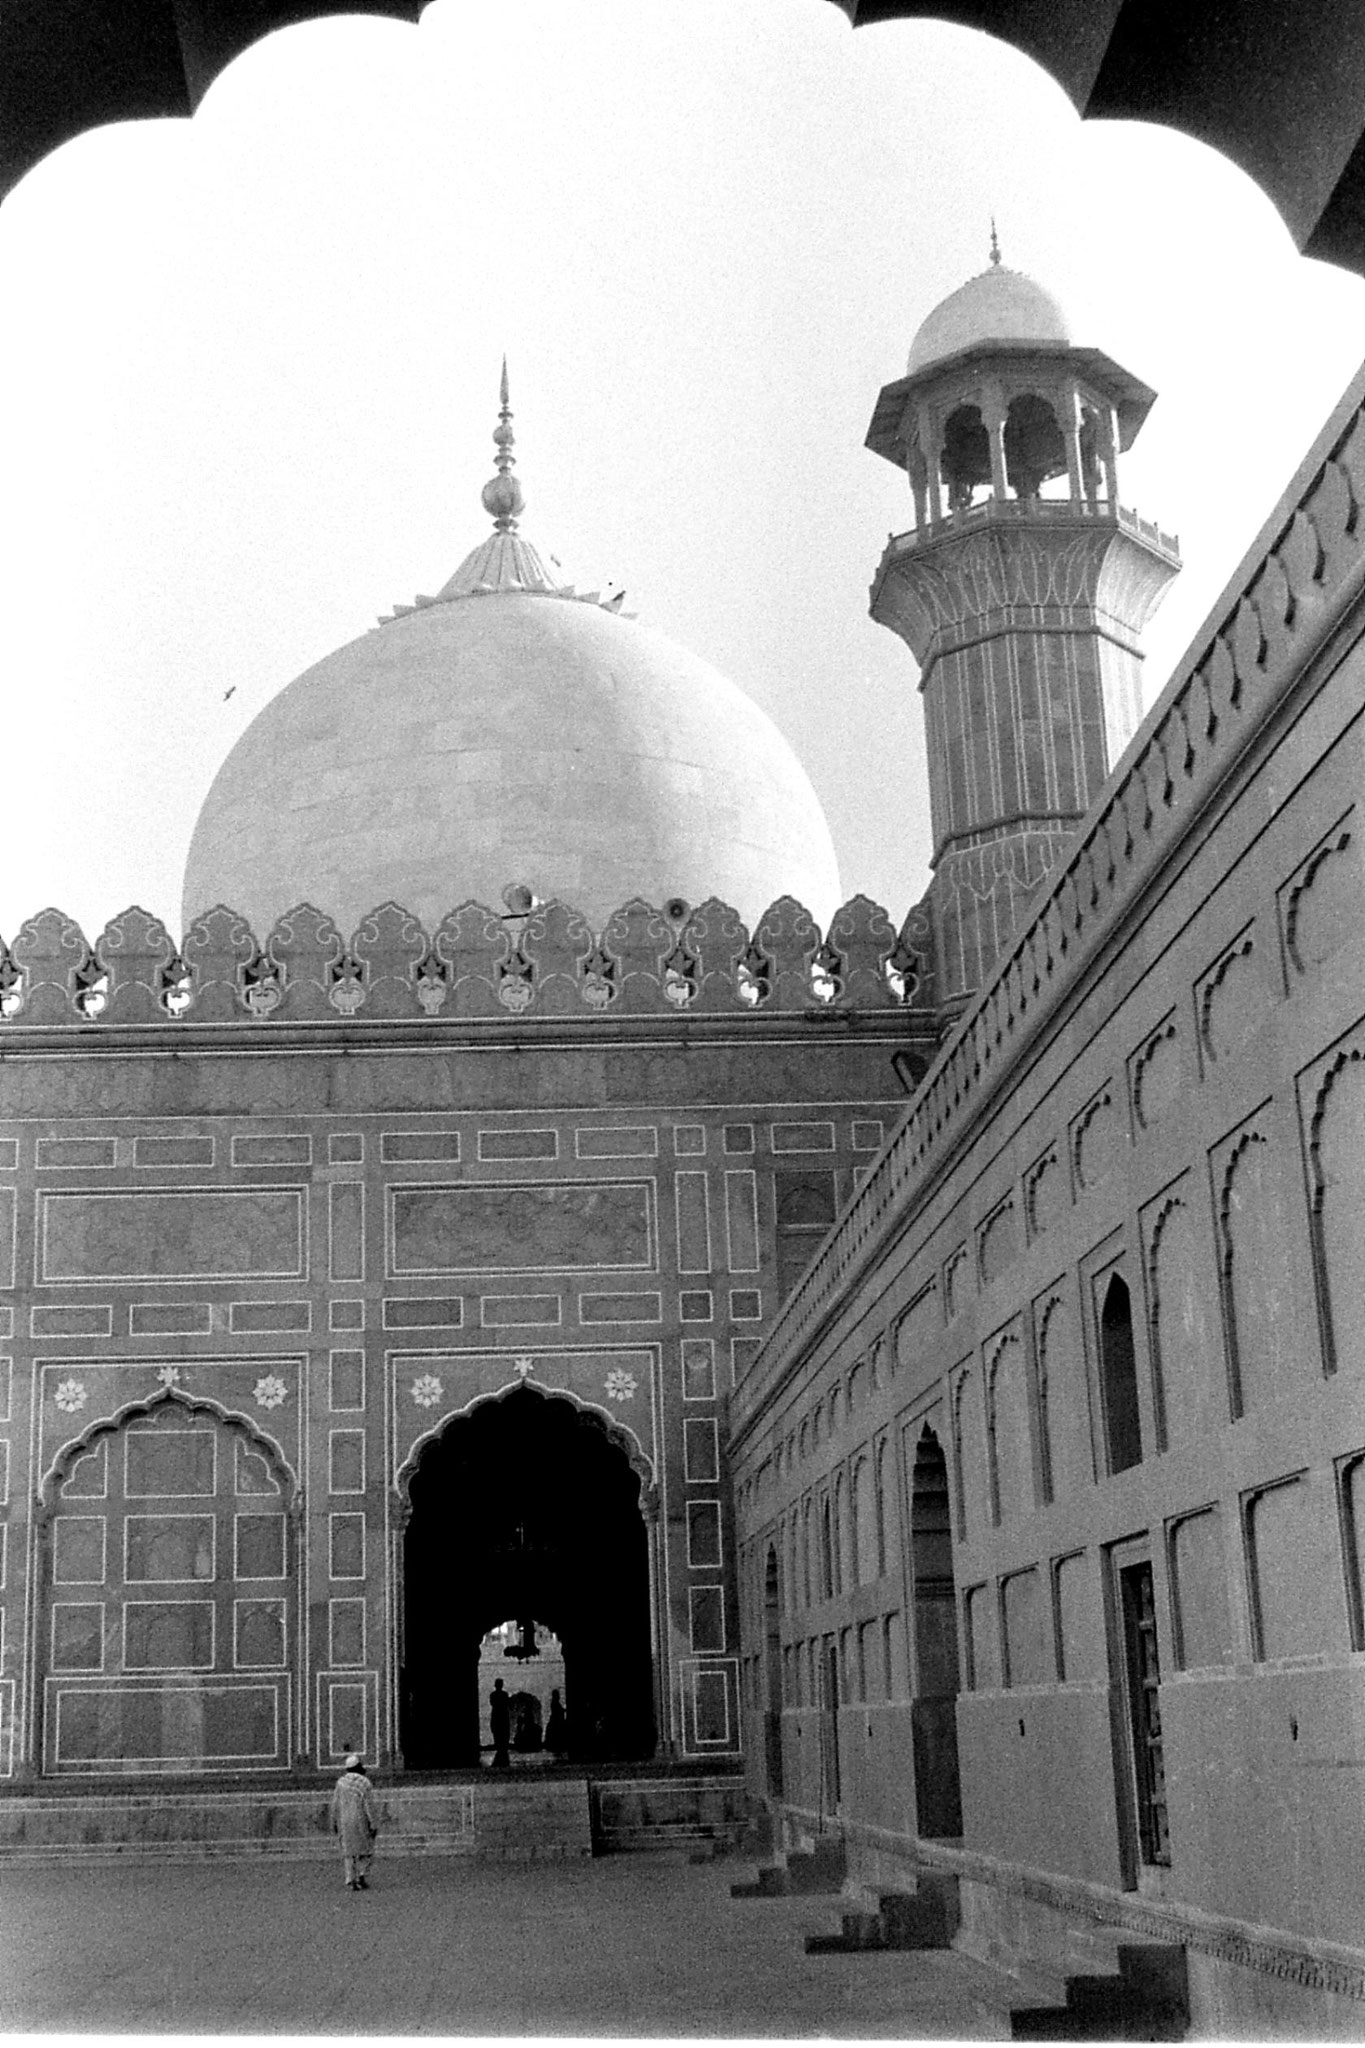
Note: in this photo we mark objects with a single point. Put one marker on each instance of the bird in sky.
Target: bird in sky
(230, 693)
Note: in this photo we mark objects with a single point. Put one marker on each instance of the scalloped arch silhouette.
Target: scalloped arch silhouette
(617, 1433)
(1286, 109)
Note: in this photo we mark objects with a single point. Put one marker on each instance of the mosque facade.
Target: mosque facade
(915, 1360)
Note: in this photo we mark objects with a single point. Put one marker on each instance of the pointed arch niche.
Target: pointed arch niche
(167, 1611)
(938, 1798)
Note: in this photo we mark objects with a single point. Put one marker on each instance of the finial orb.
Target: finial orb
(503, 497)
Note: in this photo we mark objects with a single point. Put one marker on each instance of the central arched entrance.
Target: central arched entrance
(526, 1507)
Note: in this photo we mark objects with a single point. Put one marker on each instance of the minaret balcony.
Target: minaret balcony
(1014, 512)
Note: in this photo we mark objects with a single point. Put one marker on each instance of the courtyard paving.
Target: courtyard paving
(644, 1946)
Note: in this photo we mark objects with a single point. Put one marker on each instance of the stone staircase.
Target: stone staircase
(821, 1868)
(1140, 1992)
(927, 1917)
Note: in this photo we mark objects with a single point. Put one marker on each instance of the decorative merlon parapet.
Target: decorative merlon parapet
(1293, 590)
(544, 962)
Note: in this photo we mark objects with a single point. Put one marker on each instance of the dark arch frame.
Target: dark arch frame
(1288, 110)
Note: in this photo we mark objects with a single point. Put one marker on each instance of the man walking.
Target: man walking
(355, 1817)
(500, 1725)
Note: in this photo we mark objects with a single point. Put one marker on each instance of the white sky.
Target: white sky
(249, 367)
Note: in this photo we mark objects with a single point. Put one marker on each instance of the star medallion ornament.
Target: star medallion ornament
(427, 1390)
(169, 1375)
(524, 1367)
(621, 1385)
(69, 1396)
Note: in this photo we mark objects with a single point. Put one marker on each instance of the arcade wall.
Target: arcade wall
(1050, 1476)
(249, 1267)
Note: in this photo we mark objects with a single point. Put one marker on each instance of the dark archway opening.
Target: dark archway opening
(938, 1795)
(526, 1507)
(1118, 1378)
(772, 1652)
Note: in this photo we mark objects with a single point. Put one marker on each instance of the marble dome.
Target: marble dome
(997, 305)
(509, 731)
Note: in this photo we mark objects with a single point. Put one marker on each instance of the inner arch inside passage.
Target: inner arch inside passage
(526, 1507)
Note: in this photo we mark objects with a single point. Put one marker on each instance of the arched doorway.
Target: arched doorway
(526, 1507)
(772, 1656)
(938, 1797)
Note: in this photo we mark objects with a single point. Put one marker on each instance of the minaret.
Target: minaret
(1021, 592)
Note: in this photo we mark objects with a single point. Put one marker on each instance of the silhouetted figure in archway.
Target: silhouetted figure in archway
(557, 1728)
(500, 1722)
(525, 1721)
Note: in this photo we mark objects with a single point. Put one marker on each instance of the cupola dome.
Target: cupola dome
(510, 730)
(998, 305)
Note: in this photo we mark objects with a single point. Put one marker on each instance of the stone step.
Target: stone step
(927, 1917)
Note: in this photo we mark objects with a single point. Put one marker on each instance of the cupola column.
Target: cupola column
(1109, 454)
(928, 442)
(993, 413)
(1071, 434)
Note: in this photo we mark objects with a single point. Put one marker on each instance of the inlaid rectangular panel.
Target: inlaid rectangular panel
(172, 1234)
(519, 1311)
(703, 1536)
(347, 1546)
(264, 1317)
(77, 1640)
(346, 1315)
(150, 1725)
(6, 1374)
(741, 1221)
(397, 1148)
(345, 1148)
(620, 1308)
(273, 1150)
(69, 1152)
(699, 1369)
(346, 1632)
(171, 1319)
(172, 1151)
(701, 1453)
(347, 1389)
(617, 1141)
(812, 1137)
(423, 1312)
(696, 1305)
(89, 1319)
(166, 1548)
(520, 1227)
(9, 1154)
(78, 1550)
(7, 1222)
(169, 1464)
(347, 1716)
(518, 1144)
(867, 1134)
(259, 1635)
(258, 1546)
(168, 1635)
(346, 1461)
(707, 1690)
(706, 1616)
(694, 1222)
(346, 1215)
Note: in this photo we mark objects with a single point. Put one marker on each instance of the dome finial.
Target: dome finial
(502, 494)
(995, 260)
